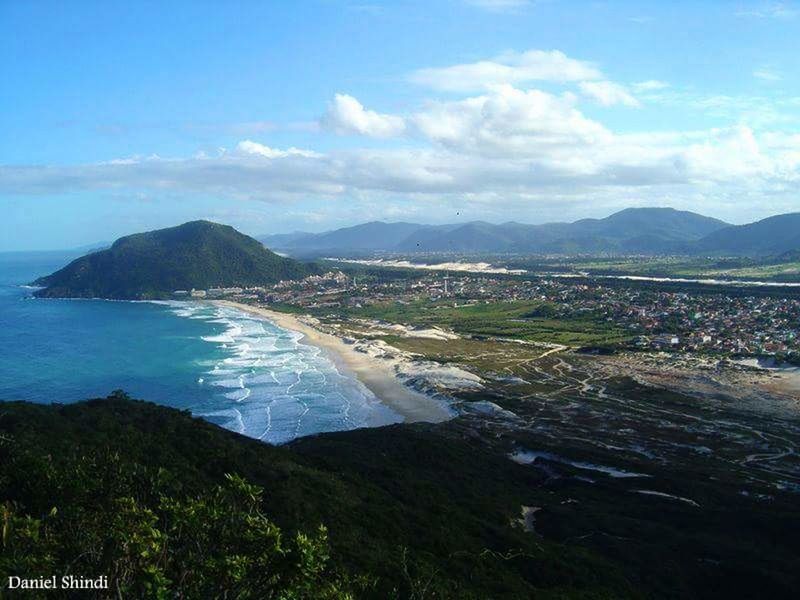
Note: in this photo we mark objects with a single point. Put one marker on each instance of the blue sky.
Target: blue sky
(311, 115)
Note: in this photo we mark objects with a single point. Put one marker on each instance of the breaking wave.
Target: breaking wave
(269, 386)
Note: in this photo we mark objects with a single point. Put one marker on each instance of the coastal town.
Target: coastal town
(723, 324)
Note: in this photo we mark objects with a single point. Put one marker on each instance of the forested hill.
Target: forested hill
(198, 254)
(169, 506)
(773, 236)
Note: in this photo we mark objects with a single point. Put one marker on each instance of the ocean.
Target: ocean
(226, 366)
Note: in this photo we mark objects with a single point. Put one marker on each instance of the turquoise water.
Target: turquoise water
(235, 370)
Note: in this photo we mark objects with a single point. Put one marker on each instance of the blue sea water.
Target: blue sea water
(236, 370)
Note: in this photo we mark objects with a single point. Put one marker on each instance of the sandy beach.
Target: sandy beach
(376, 374)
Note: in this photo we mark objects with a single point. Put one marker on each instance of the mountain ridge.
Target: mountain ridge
(645, 230)
(775, 235)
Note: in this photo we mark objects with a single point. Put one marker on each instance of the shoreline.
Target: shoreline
(376, 374)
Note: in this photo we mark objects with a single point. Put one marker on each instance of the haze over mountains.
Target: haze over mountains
(774, 235)
(630, 231)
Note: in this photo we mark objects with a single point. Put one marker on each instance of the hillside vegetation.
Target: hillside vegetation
(170, 506)
(199, 255)
(778, 235)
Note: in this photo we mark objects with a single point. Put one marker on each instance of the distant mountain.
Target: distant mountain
(375, 235)
(199, 254)
(789, 256)
(92, 247)
(771, 236)
(476, 236)
(645, 230)
(280, 240)
(666, 222)
(634, 230)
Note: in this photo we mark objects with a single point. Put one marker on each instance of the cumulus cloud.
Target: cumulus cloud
(580, 161)
(510, 68)
(737, 153)
(498, 144)
(607, 93)
(509, 122)
(346, 115)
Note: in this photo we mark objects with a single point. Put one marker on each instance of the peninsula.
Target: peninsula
(157, 264)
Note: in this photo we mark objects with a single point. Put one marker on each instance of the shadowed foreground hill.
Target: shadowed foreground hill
(167, 504)
(199, 254)
(171, 506)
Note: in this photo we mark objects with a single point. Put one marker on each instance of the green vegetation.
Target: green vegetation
(152, 530)
(523, 320)
(784, 268)
(171, 506)
(215, 544)
(484, 357)
(198, 255)
(168, 505)
(739, 539)
(786, 271)
(768, 237)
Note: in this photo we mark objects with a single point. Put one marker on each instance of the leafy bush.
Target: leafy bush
(155, 544)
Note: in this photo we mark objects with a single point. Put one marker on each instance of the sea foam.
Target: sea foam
(271, 386)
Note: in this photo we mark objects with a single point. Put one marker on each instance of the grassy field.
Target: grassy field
(516, 320)
(784, 271)
(694, 268)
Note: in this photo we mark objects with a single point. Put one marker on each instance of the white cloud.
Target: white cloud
(766, 75)
(508, 122)
(346, 115)
(608, 93)
(578, 159)
(501, 146)
(511, 68)
(254, 148)
(728, 153)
